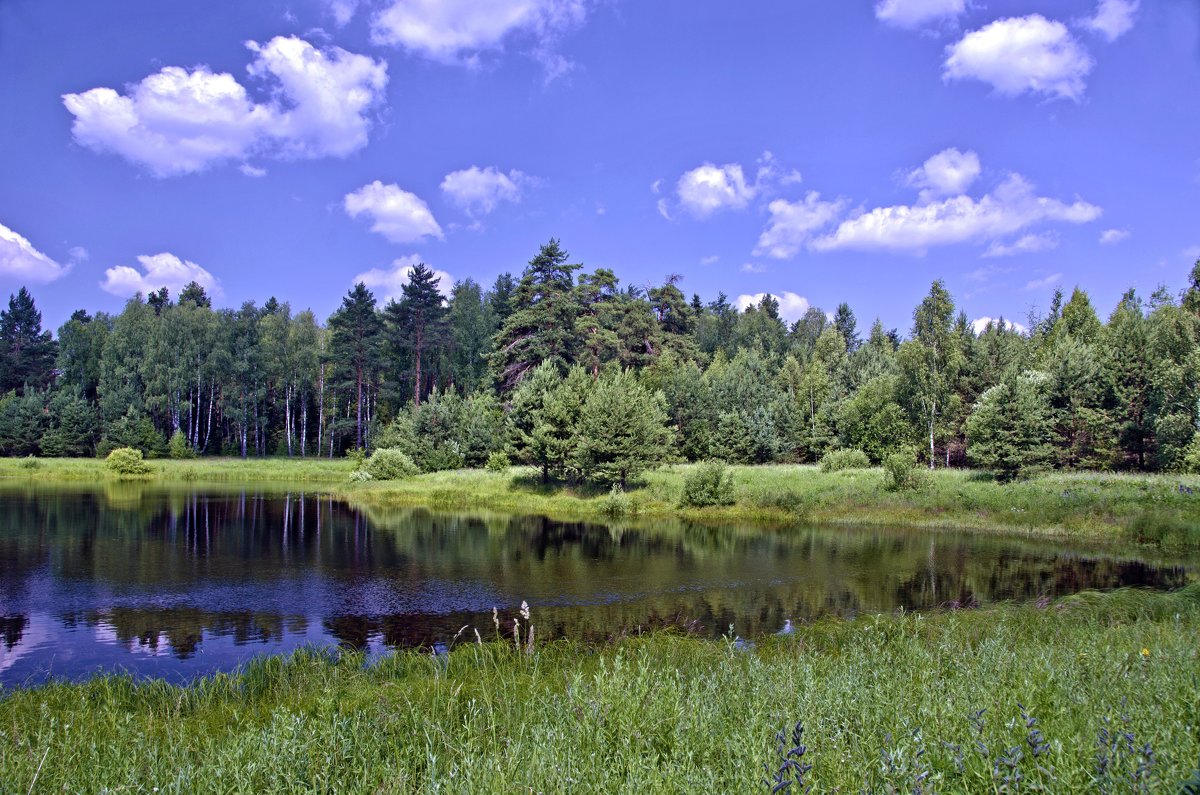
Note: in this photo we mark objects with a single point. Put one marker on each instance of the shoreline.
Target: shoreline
(1113, 509)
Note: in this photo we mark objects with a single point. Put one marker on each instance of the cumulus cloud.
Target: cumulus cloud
(1110, 237)
(1010, 208)
(980, 324)
(708, 189)
(398, 215)
(1022, 54)
(1028, 244)
(916, 13)
(479, 190)
(458, 31)
(948, 173)
(1114, 18)
(791, 306)
(180, 121)
(20, 260)
(1049, 281)
(753, 267)
(342, 11)
(792, 224)
(388, 282)
(158, 271)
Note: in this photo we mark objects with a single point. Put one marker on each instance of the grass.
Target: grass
(1158, 510)
(1095, 693)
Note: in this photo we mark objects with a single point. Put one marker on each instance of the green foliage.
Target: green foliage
(709, 483)
(1169, 532)
(178, 447)
(622, 430)
(1009, 430)
(26, 352)
(498, 461)
(23, 421)
(132, 430)
(390, 464)
(617, 503)
(901, 472)
(73, 427)
(126, 461)
(837, 460)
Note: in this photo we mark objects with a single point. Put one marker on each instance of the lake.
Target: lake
(175, 583)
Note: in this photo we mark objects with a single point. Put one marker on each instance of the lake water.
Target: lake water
(176, 583)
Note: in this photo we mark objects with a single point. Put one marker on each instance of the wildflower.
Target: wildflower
(1145, 653)
(524, 610)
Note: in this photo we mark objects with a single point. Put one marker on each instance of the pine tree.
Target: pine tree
(26, 352)
(847, 326)
(1008, 431)
(542, 326)
(623, 430)
(355, 350)
(416, 327)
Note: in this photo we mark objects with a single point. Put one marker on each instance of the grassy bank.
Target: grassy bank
(1162, 510)
(1093, 692)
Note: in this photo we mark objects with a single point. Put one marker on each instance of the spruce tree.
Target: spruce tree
(1008, 431)
(623, 430)
(416, 327)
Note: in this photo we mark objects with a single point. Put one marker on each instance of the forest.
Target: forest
(589, 379)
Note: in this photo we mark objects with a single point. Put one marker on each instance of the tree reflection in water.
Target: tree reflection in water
(129, 570)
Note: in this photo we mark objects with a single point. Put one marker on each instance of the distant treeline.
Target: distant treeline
(548, 367)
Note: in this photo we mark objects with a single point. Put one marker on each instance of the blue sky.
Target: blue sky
(821, 151)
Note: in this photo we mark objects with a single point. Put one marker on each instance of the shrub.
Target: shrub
(617, 503)
(837, 460)
(360, 476)
(710, 483)
(127, 461)
(178, 446)
(390, 464)
(901, 473)
(498, 462)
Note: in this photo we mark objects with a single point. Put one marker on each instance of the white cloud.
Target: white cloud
(181, 121)
(791, 306)
(709, 260)
(158, 271)
(478, 190)
(656, 186)
(1022, 54)
(342, 11)
(1028, 244)
(78, 254)
(708, 189)
(1110, 237)
(793, 223)
(948, 173)
(915, 13)
(1011, 207)
(252, 171)
(387, 282)
(458, 31)
(753, 267)
(980, 324)
(398, 215)
(1114, 18)
(20, 260)
(1040, 284)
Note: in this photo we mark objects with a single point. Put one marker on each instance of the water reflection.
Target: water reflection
(174, 583)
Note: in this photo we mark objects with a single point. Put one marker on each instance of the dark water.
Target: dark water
(177, 583)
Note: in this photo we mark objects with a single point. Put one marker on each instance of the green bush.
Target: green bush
(617, 503)
(360, 476)
(390, 464)
(901, 472)
(837, 460)
(498, 462)
(178, 446)
(127, 461)
(710, 483)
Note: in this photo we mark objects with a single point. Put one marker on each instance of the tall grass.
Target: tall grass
(1094, 693)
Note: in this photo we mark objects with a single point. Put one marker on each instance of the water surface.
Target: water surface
(178, 582)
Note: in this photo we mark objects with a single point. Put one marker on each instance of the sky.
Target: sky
(821, 151)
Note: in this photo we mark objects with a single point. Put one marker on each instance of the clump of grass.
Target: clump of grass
(1169, 532)
(617, 503)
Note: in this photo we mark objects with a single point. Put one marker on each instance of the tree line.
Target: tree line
(587, 378)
